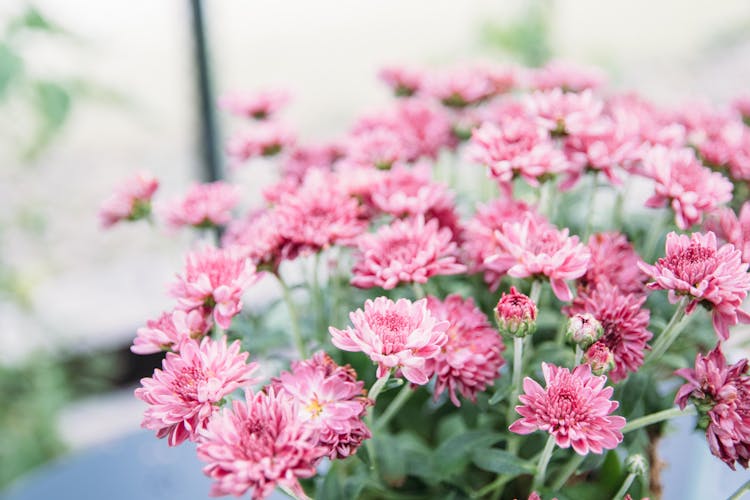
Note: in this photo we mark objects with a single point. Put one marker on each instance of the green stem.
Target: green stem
(570, 468)
(317, 297)
(625, 486)
(541, 470)
(293, 318)
(659, 416)
(536, 291)
(418, 291)
(622, 194)
(545, 197)
(670, 332)
(590, 207)
(516, 388)
(579, 356)
(741, 491)
(372, 394)
(654, 235)
(393, 408)
(499, 482)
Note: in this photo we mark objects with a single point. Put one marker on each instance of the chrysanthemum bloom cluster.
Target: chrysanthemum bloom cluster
(170, 331)
(204, 205)
(401, 334)
(537, 249)
(259, 443)
(131, 200)
(574, 407)
(697, 268)
(330, 399)
(186, 391)
(515, 314)
(733, 229)
(257, 237)
(721, 394)
(471, 359)
(214, 278)
(614, 261)
(256, 105)
(406, 251)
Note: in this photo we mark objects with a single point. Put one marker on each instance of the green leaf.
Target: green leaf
(331, 487)
(11, 67)
(500, 395)
(501, 462)
(455, 453)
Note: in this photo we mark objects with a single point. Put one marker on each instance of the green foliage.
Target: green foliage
(527, 38)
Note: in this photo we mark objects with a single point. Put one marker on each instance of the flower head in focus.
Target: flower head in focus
(131, 200)
(515, 314)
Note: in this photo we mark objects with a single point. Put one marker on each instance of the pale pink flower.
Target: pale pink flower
(460, 87)
(722, 394)
(406, 251)
(256, 105)
(566, 113)
(257, 237)
(614, 261)
(214, 278)
(425, 129)
(637, 117)
(479, 234)
(574, 407)
(330, 399)
(624, 320)
(695, 267)
(733, 229)
(302, 159)
(538, 249)
(258, 444)
(204, 205)
(471, 359)
(403, 81)
(170, 330)
(400, 334)
(568, 76)
(518, 147)
(130, 201)
(741, 105)
(688, 187)
(267, 139)
(379, 147)
(189, 387)
(515, 314)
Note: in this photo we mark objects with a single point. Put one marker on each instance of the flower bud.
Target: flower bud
(583, 329)
(515, 314)
(600, 358)
(636, 464)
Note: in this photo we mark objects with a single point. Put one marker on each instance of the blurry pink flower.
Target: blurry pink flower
(406, 251)
(214, 278)
(186, 391)
(715, 276)
(400, 334)
(425, 129)
(574, 407)
(267, 139)
(204, 205)
(568, 76)
(330, 400)
(690, 188)
(460, 87)
(516, 148)
(130, 201)
(741, 105)
(732, 229)
(256, 105)
(566, 113)
(257, 237)
(403, 81)
(533, 249)
(624, 320)
(515, 314)
(378, 147)
(258, 444)
(722, 394)
(614, 261)
(302, 159)
(471, 359)
(170, 330)
(637, 117)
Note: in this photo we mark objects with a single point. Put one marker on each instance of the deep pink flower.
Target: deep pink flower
(566, 113)
(721, 394)
(204, 205)
(214, 278)
(733, 229)
(257, 237)
(406, 251)
(687, 186)
(130, 201)
(403, 81)
(471, 359)
(574, 407)
(186, 391)
(258, 444)
(400, 334)
(267, 139)
(715, 276)
(614, 261)
(516, 314)
(624, 320)
(330, 400)
(567, 76)
(256, 105)
(460, 87)
(170, 330)
(534, 249)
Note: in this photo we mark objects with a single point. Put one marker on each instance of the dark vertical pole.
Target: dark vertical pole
(209, 134)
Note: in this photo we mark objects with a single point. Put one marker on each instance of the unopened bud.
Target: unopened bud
(515, 314)
(636, 464)
(583, 329)
(600, 358)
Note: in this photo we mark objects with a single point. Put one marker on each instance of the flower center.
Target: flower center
(392, 329)
(186, 383)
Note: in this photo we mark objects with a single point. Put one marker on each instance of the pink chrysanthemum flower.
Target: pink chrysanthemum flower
(214, 278)
(378, 147)
(470, 360)
(741, 104)
(733, 229)
(722, 395)
(479, 234)
(330, 399)
(516, 148)
(130, 201)
(186, 391)
(614, 261)
(574, 407)
(170, 330)
(566, 113)
(204, 205)
(302, 159)
(258, 444)
(256, 105)
(425, 129)
(695, 267)
(257, 237)
(687, 186)
(268, 139)
(403, 81)
(637, 117)
(534, 249)
(400, 334)
(567, 76)
(461, 87)
(624, 321)
(406, 251)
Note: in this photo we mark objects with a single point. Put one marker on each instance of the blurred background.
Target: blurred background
(92, 91)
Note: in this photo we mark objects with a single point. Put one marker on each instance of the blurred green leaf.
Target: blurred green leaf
(11, 67)
(501, 462)
(455, 453)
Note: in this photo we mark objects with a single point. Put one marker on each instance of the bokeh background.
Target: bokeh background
(91, 91)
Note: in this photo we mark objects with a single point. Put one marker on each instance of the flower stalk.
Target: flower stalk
(293, 318)
(670, 332)
(541, 470)
(659, 416)
(625, 486)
